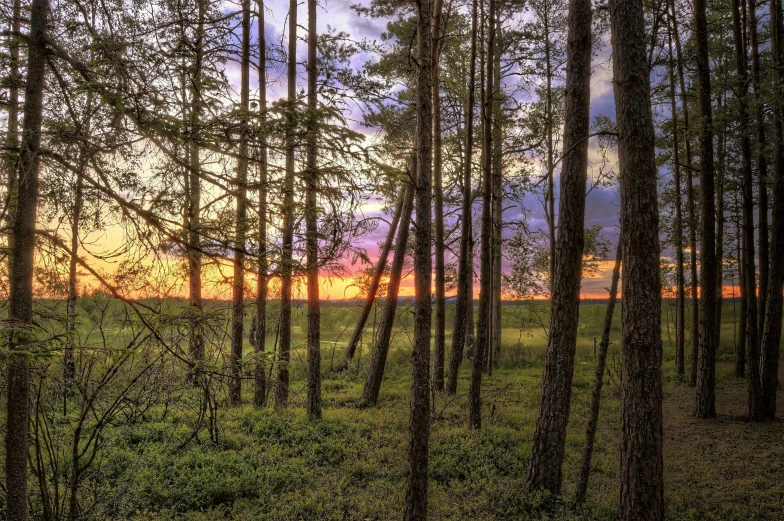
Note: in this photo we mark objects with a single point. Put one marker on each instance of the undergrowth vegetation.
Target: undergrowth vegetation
(156, 457)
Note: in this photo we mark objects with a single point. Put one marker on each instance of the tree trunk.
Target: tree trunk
(550, 434)
(749, 272)
(464, 304)
(706, 359)
(238, 281)
(419, 419)
(471, 337)
(438, 204)
(73, 294)
(720, 173)
(193, 210)
(378, 359)
(470, 340)
(485, 277)
(596, 397)
(762, 166)
(740, 350)
(11, 156)
(376, 282)
(471, 334)
(691, 204)
(640, 455)
(22, 262)
(313, 404)
(678, 225)
(771, 337)
(548, 104)
(259, 373)
(286, 261)
(494, 359)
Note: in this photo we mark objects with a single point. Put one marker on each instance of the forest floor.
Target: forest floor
(352, 464)
(725, 467)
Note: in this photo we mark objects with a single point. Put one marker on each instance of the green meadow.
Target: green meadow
(168, 455)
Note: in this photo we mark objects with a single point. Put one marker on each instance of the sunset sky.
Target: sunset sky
(601, 206)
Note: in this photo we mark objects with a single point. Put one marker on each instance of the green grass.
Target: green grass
(352, 464)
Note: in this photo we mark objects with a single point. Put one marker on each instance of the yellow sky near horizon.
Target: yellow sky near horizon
(169, 281)
(166, 275)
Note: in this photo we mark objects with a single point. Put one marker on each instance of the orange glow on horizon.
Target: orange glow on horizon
(334, 288)
(171, 281)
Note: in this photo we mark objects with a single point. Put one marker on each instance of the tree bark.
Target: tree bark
(494, 359)
(470, 340)
(73, 294)
(22, 261)
(485, 276)
(419, 419)
(748, 257)
(12, 136)
(286, 261)
(464, 304)
(438, 203)
(740, 349)
(720, 173)
(238, 281)
(548, 104)
(691, 205)
(641, 460)
(550, 434)
(259, 373)
(596, 397)
(762, 165)
(771, 336)
(313, 405)
(473, 319)
(378, 359)
(376, 282)
(680, 308)
(193, 211)
(706, 356)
